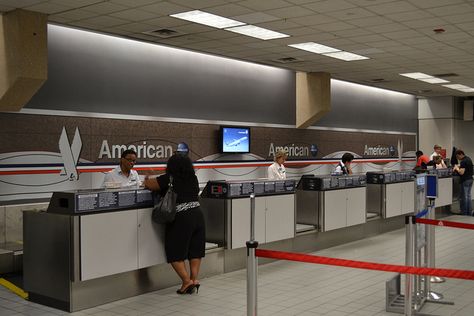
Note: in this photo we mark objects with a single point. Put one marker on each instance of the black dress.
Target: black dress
(185, 237)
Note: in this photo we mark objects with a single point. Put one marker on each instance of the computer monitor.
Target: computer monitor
(234, 139)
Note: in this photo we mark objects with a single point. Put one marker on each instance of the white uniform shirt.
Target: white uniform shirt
(276, 172)
(433, 155)
(339, 169)
(116, 175)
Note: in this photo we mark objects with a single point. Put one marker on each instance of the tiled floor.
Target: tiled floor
(292, 288)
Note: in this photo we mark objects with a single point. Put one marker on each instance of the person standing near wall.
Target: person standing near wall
(344, 166)
(185, 237)
(464, 169)
(277, 171)
(439, 162)
(436, 152)
(123, 175)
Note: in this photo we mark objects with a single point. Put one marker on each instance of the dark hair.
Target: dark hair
(419, 153)
(460, 152)
(128, 152)
(347, 157)
(180, 166)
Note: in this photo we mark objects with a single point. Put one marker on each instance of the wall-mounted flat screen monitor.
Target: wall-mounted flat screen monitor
(235, 139)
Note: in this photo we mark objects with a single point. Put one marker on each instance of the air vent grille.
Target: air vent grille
(287, 60)
(164, 33)
(446, 75)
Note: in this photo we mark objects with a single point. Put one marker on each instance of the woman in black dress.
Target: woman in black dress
(185, 236)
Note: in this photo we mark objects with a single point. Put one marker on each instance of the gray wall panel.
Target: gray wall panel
(97, 73)
(363, 107)
(90, 72)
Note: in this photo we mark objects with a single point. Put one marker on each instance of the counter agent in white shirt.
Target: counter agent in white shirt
(117, 176)
(276, 171)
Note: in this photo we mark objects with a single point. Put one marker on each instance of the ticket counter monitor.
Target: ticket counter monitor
(89, 247)
(226, 208)
(390, 194)
(331, 202)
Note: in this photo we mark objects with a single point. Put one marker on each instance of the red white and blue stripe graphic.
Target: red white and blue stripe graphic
(37, 169)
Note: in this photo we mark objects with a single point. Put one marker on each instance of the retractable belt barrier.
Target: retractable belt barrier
(444, 223)
(448, 273)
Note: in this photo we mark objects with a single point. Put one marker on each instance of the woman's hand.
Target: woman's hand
(151, 184)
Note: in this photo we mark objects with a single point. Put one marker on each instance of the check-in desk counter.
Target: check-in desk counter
(445, 186)
(390, 194)
(331, 202)
(226, 208)
(77, 253)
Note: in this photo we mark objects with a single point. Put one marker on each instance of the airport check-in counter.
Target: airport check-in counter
(226, 208)
(445, 186)
(331, 202)
(88, 247)
(390, 194)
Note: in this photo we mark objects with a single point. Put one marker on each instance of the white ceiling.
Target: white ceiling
(397, 35)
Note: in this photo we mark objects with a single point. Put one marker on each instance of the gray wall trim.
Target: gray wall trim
(193, 121)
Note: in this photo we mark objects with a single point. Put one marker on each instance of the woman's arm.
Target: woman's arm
(151, 184)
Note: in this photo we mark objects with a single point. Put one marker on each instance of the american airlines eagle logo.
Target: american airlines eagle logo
(70, 154)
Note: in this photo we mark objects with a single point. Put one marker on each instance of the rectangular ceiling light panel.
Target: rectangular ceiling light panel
(208, 19)
(417, 75)
(346, 56)
(456, 86)
(434, 80)
(257, 32)
(315, 48)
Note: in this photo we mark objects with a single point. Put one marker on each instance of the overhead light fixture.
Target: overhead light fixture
(434, 80)
(456, 86)
(257, 32)
(346, 56)
(416, 75)
(315, 48)
(467, 90)
(208, 19)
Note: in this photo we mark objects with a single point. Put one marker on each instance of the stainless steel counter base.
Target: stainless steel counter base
(52, 268)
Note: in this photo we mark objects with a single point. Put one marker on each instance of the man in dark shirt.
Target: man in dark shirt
(464, 169)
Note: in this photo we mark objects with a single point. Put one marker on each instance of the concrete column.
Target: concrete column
(313, 97)
(23, 57)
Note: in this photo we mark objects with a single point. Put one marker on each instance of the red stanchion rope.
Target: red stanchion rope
(444, 223)
(448, 273)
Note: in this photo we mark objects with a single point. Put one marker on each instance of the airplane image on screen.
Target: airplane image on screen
(236, 142)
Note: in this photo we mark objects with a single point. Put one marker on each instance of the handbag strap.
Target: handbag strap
(170, 184)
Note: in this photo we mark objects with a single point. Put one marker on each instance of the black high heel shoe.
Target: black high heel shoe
(196, 286)
(188, 290)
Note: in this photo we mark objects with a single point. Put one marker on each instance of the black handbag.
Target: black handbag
(165, 210)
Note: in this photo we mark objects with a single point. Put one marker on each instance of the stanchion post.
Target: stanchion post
(252, 245)
(429, 250)
(409, 261)
(432, 264)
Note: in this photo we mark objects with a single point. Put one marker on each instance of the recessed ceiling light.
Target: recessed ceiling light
(467, 90)
(456, 86)
(257, 32)
(209, 19)
(315, 48)
(416, 75)
(434, 80)
(346, 56)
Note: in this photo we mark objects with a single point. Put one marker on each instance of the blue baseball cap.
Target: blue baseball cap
(183, 148)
